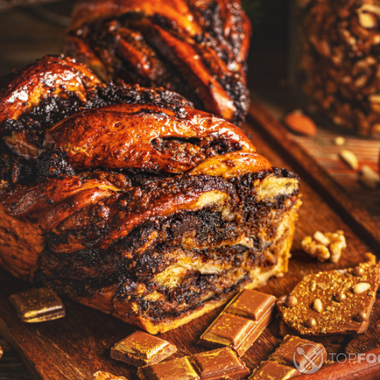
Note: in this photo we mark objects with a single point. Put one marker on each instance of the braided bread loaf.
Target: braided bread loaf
(196, 48)
(129, 200)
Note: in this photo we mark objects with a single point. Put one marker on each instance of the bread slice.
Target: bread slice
(135, 203)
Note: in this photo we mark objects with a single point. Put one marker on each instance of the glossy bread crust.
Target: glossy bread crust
(196, 48)
(24, 89)
(149, 138)
(130, 201)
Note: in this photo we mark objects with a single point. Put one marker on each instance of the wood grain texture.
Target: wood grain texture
(354, 369)
(366, 342)
(37, 361)
(11, 366)
(79, 345)
(352, 211)
(326, 154)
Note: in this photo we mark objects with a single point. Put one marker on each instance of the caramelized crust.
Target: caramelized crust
(235, 164)
(175, 10)
(24, 89)
(86, 55)
(214, 97)
(23, 157)
(144, 137)
(22, 244)
(195, 48)
(129, 200)
(233, 28)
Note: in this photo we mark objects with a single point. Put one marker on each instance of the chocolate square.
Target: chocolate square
(300, 351)
(172, 370)
(37, 305)
(141, 349)
(217, 364)
(228, 330)
(274, 371)
(251, 304)
(236, 331)
(100, 375)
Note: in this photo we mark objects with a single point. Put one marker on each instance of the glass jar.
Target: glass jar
(336, 60)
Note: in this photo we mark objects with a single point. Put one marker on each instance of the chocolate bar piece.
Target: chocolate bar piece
(213, 365)
(230, 330)
(274, 371)
(251, 304)
(140, 349)
(241, 322)
(301, 352)
(107, 376)
(293, 357)
(37, 305)
(171, 370)
(219, 364)
(332, 302)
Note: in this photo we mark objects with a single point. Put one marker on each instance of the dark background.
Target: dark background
(28, 33)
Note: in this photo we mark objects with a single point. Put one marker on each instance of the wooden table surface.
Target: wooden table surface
(23, 38)
(326, 153)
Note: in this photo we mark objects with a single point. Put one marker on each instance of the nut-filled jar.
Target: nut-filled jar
(338, 60)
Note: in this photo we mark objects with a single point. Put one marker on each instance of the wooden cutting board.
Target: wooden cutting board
(79, 345)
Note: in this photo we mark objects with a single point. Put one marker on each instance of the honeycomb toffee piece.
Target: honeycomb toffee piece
(213, 365)
(241, 322)
(332, 302)
(107, 376)
(140, 349)
(293, 357)
(37, 305)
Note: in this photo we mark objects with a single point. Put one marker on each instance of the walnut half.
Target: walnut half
(328, 246)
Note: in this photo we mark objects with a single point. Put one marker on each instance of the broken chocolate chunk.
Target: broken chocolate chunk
(107, 376)
(141, 349)
(219, 364)
(301, 352)
(274, 371)
(251, 304)
(171, 370)
(37, 305)
(213, 365)
(293, 357)
(241, 322)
